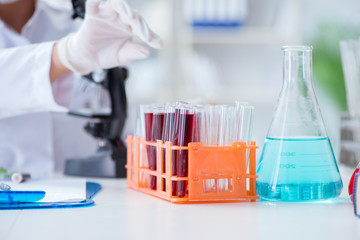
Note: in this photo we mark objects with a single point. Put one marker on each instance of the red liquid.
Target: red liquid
(175, 152)
(196, 137)
(186, 133)
(148, 128)
(167, 136)
(351, 184)
(156, 134)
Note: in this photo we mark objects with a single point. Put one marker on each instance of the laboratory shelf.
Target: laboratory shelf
(239, 36)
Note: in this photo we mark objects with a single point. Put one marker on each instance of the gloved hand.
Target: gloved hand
(104, 38)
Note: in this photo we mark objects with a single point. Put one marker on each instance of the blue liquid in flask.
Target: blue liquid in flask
(298, 169)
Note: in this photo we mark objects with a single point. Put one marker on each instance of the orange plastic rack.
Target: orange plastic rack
(236, 163)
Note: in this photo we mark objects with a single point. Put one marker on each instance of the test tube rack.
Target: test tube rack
(237, 163)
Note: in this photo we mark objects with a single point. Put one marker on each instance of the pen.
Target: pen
(20, 177)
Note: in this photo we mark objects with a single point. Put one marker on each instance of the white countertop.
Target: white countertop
(121, 213)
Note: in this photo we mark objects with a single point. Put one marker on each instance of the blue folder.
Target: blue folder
(28, 199)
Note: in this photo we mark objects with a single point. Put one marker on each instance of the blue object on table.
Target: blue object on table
(91, 190)
(16, 197)
(356, 195)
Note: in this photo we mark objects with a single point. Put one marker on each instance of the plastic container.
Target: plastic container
(204, 163)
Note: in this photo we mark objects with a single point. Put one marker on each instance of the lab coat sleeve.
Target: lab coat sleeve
(62, 90)
(24, 80)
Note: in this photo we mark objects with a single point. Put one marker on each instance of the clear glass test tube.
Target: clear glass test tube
(198, 123)
(204, 125)
(350, 57)
(144, 125)
(209, 135)
(226, 126)
(222, 118)
(247, 124)
(214, 126)
(139, 131)
(247, 130)
(143, 130)
(239, 119)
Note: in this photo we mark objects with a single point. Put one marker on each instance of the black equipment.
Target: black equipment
(110, 158)
(79, 8)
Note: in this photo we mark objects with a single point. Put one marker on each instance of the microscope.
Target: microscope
(110, 158)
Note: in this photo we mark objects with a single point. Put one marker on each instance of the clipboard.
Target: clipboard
(28, 199)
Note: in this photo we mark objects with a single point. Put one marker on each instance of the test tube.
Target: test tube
(222, 125)
(156, 134)
(246, 133)
(209, 133)
(143, 130)
(148, 118)
(186, 133)
(168, 133)
(175, 155)
(226, 125)
(138, 132)
(198, 114)
(239, 120)
(204, 125)
(214, 127)
(350, 57)
(247, 129)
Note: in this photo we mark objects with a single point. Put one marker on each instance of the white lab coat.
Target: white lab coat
(26, 95)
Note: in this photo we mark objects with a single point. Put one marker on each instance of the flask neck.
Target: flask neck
(297, 114)
(297, 65)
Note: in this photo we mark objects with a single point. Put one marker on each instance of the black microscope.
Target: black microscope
(110, 158)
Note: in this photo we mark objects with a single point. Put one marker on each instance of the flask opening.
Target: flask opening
(297, 48)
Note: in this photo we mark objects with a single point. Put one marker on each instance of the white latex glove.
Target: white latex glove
(104, 38)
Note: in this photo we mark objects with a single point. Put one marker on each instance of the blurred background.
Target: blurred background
(219, 51)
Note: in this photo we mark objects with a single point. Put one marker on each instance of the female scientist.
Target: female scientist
(36, 68)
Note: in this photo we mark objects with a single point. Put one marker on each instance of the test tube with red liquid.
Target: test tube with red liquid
(168, 134)
(175, 153)
(186, 133)
(148, 116)
(156, 134)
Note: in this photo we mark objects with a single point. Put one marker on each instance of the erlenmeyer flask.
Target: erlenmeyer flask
(297, 162)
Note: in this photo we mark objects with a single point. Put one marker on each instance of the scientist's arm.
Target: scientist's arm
(57, 69)
(103, 41)
(24, 80)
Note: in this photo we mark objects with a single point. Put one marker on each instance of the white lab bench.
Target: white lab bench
(121, 213)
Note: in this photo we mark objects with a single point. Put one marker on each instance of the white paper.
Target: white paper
(56, 190)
